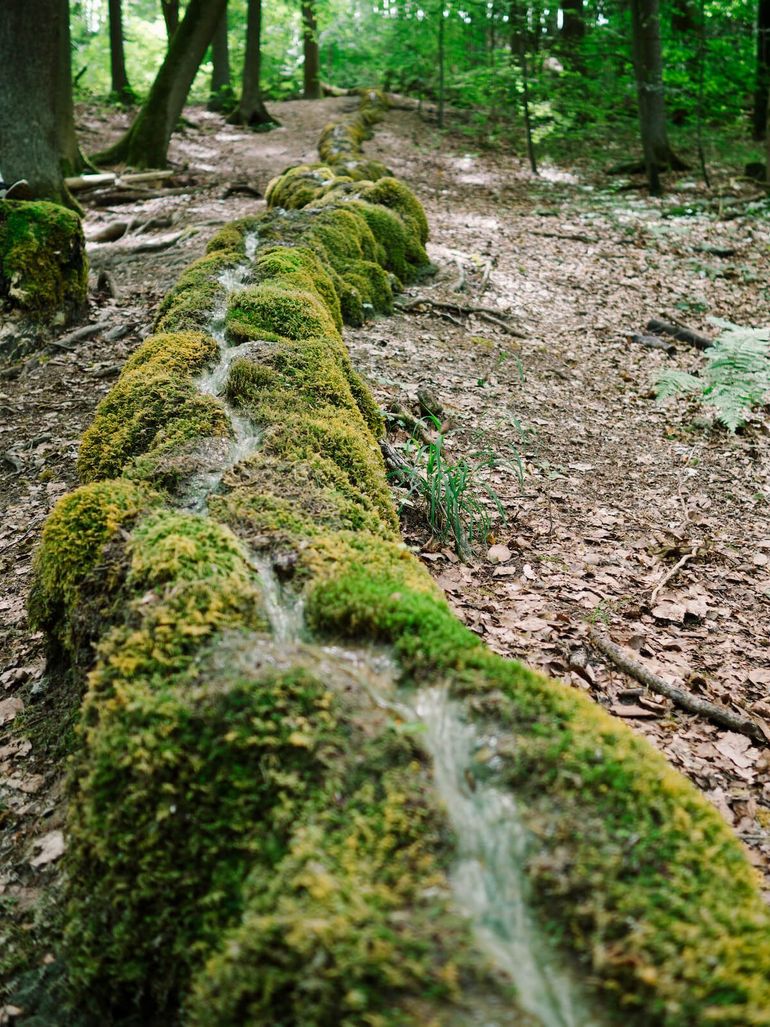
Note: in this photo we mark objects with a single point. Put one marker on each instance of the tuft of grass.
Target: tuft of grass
(458, 503)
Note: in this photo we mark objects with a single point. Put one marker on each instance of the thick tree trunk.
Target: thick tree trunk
(251, 110)
(170, 10)
(221, 96)
(120, 85)
(762, 89)
(37, 121)
(648, 65)
(312, 67)
(145, 145)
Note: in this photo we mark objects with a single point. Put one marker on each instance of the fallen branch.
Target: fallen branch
(571, 236)
(680, 332)
(86, 332)
(77, 183)
(672, 573)
(720, 715)
(654, 342)
(485, 313)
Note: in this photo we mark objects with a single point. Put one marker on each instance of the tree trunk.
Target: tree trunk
(120, 85)
(441, 59)
(572, 33)
(312, 67)
(683, 17)
(251, 110)
(762, 89)
(170, 10)
(648, 66)
(145, 145)
(221, 97)
(37, 120)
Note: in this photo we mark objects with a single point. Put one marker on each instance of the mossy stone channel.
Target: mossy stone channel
(252, 837)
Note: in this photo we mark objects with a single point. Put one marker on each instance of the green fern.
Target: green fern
(736, 377)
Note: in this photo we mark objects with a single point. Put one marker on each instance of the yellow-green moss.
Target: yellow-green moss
(183, 352)
(363, 170)
(74, 577)
(146, 401)
(389, 192)
(189, 305)
(298, 186)
(274, 308)
(298, 268)
(231, 238)
(43, 265)
(351, 922)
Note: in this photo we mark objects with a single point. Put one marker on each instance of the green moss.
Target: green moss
(231, 238)
(363, 170)
(182, 352)
(274, 308)
(391, 193)
(191, 302)
(298, 186)
(402, 251)
(275, 502)
(43, 265)
(80, 561)
(298, 268)
(349, 924)
(148, 404)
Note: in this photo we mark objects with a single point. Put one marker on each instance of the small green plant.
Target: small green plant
(736, 377)
(458, 503)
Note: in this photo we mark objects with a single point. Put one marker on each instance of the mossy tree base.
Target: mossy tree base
(43, 264)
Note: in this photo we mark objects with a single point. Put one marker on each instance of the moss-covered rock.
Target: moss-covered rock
(81, 561)
(43, 265)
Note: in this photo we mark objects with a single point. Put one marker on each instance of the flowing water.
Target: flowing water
(247, 437)
(489, 880)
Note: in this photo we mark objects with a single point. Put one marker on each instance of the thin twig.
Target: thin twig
(672, 573)
(739, 722)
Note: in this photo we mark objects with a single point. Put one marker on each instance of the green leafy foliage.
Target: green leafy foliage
(736, 378)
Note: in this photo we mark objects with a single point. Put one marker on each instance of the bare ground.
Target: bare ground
(616, 489)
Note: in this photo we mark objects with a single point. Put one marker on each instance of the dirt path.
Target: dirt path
(615, 490)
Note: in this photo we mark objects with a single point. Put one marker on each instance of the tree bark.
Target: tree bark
(648, 66)
(170, 10)
(762, 88)
(312, 66)
(37, 120)
(145, 145)
(221, 97)
(572, 33)
(251, 110)
(120, 85)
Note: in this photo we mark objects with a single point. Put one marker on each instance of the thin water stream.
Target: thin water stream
(489, 880)
(247, 437)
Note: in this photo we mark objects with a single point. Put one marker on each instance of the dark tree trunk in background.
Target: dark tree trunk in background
(683, 17)
(145, 145)
(221, 97)
(170, 10)
(251, 110)
(312, 68)
(120, 86)
(37, 121)
(762, 89)
(573, 30)
(648, 66)
(441, 63)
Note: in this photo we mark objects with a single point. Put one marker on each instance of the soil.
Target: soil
(616, 489)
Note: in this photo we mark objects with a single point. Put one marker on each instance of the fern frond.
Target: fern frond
(674, 383)
(736, 377)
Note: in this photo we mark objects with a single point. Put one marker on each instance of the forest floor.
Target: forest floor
(616, 489)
